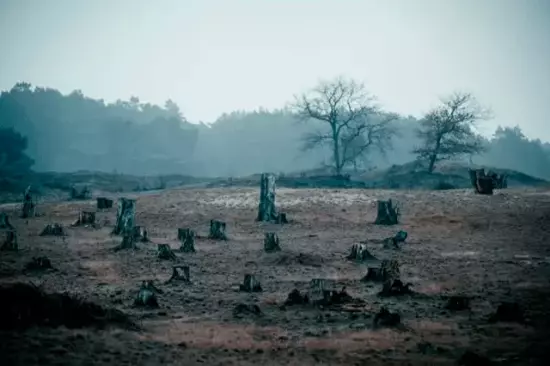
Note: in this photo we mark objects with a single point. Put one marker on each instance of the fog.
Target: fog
(101, 74)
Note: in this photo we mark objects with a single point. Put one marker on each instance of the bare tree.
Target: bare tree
(447, 131)
(353, 124)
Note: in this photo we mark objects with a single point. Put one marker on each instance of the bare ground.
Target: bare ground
(493, 249)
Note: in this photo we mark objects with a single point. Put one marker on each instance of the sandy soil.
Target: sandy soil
(491, 248)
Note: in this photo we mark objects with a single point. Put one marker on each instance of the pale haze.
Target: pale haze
(213, 57)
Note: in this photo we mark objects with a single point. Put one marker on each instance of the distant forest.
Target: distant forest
(72, 132)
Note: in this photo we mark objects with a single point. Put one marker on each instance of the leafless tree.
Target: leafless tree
(447, 131)
(352, 122)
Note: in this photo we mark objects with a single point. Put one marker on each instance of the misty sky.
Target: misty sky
(218, 56)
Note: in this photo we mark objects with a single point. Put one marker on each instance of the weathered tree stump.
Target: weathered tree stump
(5, 221)
(140, 234)
(387, 213)
(125, 217)
(360, 253)
(217, 230)
(271, 243)
(85, 218)
(388, 270)
(250, 284)
(317, 289)
(104, 203)
(29, 206)
(39, 264)
(81, 194)
(482, 183)
(395, 241)
(165, 252)
(296, 298)
(385, 318)
(187, 239)
(180, 274)
(9, 242)
(147, 295)
(128, 242)
(53, 230)
(266, 209)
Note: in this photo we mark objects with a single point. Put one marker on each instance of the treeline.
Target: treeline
(73, 132)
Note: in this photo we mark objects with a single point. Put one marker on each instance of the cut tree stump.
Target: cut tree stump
(271, 243)
(387, 213)
(147, 295)
(187, 239)
(388, 270)
(29, 206)
(395, 241)
(266, 210)
(180, 274)
(85, 218)
(5, 221)
(360, 253)
(250, 284)
(9, 242)
(482, 183)
(217, 230)
(80, 194)
(317, 289)
(104, 203)
(128, 242)
(53, 230)
(165, 252)
(125, 216)
(140, 234)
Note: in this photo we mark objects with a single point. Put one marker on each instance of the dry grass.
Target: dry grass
(491, 248)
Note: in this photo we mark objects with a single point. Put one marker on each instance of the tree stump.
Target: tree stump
(147, 295)
(85, 218)
(81, 194)
(165, 252)
(39, 264)
(317, 289)
(482, 183)
(386, 318)
(395, 241)
(104, 203)
(266, 210)
(29, 206)
(9, 242)
(250, 284)
(128, 242)
(360, 253)
(388, 270)
(5, 221)
(271, 243)
(180, 274)
(140, 234)
(187, 239)
(125, 216)
(53, 230)
(387, 213)
(217, 230)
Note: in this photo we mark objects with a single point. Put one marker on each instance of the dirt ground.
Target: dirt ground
(491, 248)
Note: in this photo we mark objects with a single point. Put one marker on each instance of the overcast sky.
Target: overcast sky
(218, 56)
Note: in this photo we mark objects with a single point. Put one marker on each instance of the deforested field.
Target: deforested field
(488, 249)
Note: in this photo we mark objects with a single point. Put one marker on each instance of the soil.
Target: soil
(490, 249)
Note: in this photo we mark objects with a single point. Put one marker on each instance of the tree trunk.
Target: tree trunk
(165, 252)
(266, 209)
(180, 274)
(5, 221)
(29, 206)
(271, 243)
(217, 230)
(104, 203)
(360, 253)
(9, 242)
(187, 239)
(125, 217)
(336, 149)
(387, 213)
(85, 218)
(53, 230)
(250, 284)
